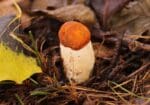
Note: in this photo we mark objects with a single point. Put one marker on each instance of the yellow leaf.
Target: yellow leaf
(16, 66)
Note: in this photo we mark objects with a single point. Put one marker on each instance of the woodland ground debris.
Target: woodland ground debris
(121, 75)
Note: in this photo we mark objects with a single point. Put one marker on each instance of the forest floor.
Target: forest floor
(120, 34)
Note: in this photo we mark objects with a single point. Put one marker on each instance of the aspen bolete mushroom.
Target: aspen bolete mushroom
(76, 51)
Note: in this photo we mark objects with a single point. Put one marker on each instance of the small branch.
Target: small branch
(116, 55)
(135, 45)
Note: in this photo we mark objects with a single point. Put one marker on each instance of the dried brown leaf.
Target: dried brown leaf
(48, 4)
(25, 5)
(53, 4)
(135, 19)
(6, 8)
(25, 20)
(77, 12)
(107, 8)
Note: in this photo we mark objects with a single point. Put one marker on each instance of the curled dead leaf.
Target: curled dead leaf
(77, 12)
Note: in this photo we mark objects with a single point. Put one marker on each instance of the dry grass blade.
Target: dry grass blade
(22, 43)
(19, 14)
(19, 99)
(124, 83)
(36, 93)
(93, 92)
(140, 70)
(129, 92)
(122, 98)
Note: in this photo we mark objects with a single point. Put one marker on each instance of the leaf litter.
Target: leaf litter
(120, 36)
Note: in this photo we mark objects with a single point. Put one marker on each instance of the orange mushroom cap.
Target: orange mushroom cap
(74, 35)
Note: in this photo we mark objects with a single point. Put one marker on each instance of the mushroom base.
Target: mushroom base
(78, 64)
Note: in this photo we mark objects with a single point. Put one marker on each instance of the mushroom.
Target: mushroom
(76, 51)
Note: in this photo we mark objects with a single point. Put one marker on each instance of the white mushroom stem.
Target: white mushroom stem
(78, 64)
